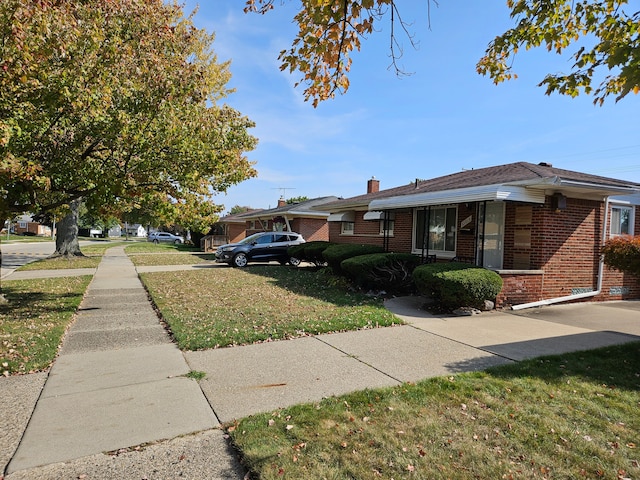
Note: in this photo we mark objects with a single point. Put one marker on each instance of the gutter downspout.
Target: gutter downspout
(577, 296)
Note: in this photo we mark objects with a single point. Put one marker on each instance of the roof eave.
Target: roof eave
(503, 192)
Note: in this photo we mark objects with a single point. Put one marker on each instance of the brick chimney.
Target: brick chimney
(281, 202)
(373, 185)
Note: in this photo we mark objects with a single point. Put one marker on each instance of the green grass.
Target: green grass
(93, 256)
(149, 247)
(226, 306)
(34, 320)
(148, 259)
(563, 417)
(23, 238)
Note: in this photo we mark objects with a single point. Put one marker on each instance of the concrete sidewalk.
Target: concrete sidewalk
(119, 386)
(118, 382)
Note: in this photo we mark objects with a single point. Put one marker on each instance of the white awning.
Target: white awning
(472, 194)
(342, 217)
(378, 215)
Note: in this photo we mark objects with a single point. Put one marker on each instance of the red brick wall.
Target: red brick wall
(566, 246)
(368, 232)
(311, 229)
(517, 289)
(235, 232)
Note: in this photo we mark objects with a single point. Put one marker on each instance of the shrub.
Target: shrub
(383, 271)
(335, 254)
(309, 251)
(623, 253)
(454, 285)
(297, 251)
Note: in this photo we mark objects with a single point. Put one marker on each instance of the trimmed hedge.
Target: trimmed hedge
(455, 284)
(335, 254)
(383, 271)
(309, 251)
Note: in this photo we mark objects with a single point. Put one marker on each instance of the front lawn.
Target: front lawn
(34, 320)
(93, 255)
(563, 417)
(227, 306)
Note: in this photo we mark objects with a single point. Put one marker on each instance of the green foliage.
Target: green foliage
(335, 254)
(329, 31)
(117, 103)
(237, 209)
(623, 253)
(310, 251)
(612, 45)
(454, 285)
(299, 199)
(383, 271)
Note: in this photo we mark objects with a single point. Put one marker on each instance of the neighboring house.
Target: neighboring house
(115, 231)
(541, 228)
(307, 218)
(233, 227)
(135, 230)
(24, 225)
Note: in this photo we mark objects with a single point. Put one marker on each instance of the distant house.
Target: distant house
(25, 225)
(541, 228)
(115, 231)
(233, 228)
(135, 230)
(307, 218)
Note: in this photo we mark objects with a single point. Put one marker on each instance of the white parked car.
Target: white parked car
(165, 237)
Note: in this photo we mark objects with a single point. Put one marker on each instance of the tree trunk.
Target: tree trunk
(67, 237)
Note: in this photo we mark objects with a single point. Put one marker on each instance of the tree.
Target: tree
(299, 199)
(608, 37)
(236, 209)
(117, 104)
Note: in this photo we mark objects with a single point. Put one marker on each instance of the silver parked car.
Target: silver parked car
(165, 237)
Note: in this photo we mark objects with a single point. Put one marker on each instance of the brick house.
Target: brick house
(541, 228)
(25, 225)
(307, 218)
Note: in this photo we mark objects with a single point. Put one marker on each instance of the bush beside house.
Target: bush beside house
(623, 254)
(453, 285)
(382, 271)
(309, 251)
(335, 254)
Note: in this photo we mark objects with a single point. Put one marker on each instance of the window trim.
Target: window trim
(344, 231)
(632, 212)
(389, 232)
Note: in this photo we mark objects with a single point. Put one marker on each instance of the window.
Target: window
(436, 225)
(390, 224)
(347, 228)
(264, 239)
(621, 221)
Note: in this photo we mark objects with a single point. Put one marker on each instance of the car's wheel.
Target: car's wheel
(240, 260)
(294, 262)
(155, 240)
(176, 242)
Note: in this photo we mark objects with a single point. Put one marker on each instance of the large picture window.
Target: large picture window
(621, 221)
(440, 231)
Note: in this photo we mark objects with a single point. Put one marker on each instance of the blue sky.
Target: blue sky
(441, 119)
